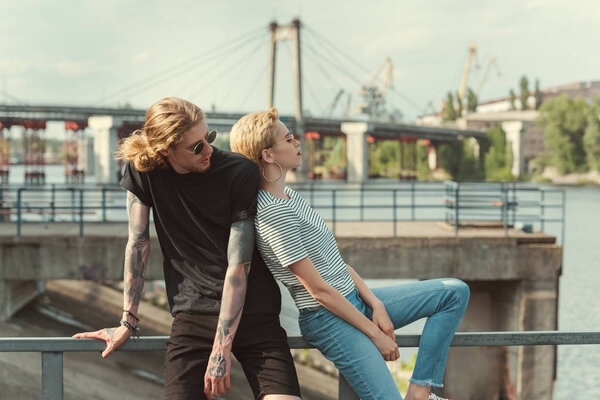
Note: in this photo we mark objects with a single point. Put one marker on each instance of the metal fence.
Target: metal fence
(52, 350)
(507, 203)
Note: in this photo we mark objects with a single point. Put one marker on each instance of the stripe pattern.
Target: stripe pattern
(288, 231)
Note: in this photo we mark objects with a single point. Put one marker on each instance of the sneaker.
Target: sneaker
(434, 397)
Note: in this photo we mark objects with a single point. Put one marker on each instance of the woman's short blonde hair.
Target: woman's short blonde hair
(253, 133)
(166, 122)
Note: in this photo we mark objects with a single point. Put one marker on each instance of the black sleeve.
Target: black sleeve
(134, 182)
(243, 193)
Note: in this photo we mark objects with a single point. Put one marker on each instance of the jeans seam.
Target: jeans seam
(437, 362)
(340, 348)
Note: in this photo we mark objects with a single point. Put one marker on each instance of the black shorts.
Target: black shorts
(260, 345)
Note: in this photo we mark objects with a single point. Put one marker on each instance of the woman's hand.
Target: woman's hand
(382, 320)
(114, 338)
(387, 347)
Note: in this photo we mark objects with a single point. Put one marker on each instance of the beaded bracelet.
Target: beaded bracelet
(135, 331)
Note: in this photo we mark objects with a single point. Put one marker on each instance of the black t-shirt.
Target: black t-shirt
(193, 214)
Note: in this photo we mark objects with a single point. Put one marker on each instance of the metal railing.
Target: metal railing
(505, 202)
(52, 350)
(456, 203)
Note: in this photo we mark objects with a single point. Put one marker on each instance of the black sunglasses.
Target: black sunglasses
(210, 137)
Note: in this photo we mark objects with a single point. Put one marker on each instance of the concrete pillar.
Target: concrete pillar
(524, 372)
(14, 295)
(514, 134)
(357, 151)
(105, 144)
(432, 160)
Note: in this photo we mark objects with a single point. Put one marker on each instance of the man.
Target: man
(203, 202)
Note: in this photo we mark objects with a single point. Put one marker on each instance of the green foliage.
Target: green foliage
(524, 84)
(564, 121)
(459, 106)
(538, 95)
(471, 100)
(448, 112)
(591, 137)
(393, 159)
(513, 99)
(498, 160)
(458, 159)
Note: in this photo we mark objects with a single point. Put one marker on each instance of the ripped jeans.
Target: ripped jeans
(442, 301)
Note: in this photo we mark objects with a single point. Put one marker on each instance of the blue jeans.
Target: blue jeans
(442, 301)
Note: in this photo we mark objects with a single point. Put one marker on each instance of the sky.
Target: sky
(215, 53)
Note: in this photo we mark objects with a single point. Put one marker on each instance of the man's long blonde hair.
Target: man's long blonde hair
(253, 133)
(166, 122)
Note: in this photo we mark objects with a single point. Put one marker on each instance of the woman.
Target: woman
(350, 324)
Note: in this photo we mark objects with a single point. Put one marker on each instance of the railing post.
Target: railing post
(52, 375)
(53, 202)
(333, 210)
(362, 202)
(345, 392)
(542, 217)
(394, 219)
(72, 204)
(505, 210)
(456, 209)
(564, 215)
(412, 200)
(103, 205)
(80, 212)
(19, 191)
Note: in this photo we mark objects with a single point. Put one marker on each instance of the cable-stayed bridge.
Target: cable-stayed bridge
(317, 58)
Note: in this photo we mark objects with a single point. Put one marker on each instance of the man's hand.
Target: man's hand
(114, 338)
(217, 379)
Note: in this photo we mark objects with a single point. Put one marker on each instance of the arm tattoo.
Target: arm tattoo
(218, 367)
(138, 248)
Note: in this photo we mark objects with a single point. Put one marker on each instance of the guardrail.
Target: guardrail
(505, 202)
(52, 350)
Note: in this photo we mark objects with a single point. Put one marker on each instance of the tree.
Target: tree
(524, 83)
(448, 112)
(538, 95)
(513, 99)
(498, 160)
(591, 137)
(471, 100)
(564, 122)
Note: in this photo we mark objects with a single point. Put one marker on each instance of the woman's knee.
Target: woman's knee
(459, 289)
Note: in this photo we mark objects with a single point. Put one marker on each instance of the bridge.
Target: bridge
(109, 124)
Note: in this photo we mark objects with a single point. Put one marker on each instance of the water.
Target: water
(579, 302)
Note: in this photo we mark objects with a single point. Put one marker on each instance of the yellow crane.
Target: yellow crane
(471, 57)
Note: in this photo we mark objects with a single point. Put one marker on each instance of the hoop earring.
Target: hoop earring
(280, 173)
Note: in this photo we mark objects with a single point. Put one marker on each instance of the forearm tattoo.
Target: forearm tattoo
(138, 248)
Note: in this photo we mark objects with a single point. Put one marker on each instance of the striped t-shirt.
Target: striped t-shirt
(288, 231)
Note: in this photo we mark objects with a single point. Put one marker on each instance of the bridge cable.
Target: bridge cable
(262, 74)
(10, 96)
(333, 64)
(175, 73)
(324, 40)
(150, 85)
(253, 50)
(230, 45)
(243, 67)
(306, 83)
